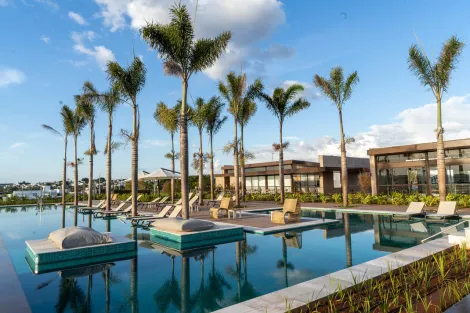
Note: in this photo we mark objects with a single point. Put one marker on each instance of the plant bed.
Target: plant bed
(430, 285)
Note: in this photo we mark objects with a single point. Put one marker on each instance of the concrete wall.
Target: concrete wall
(335, 161)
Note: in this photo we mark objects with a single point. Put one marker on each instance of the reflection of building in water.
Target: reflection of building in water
(392, 236)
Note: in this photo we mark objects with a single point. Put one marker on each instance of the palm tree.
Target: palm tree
(283, 104)
(129, 82)
(108, 103)
(236, 93)
(214, 124)
(183, 56)
(437, 77)
(246, 111)
(168, 119)
(86, 106)
(199, 119)
(66, 123)
(339, 91)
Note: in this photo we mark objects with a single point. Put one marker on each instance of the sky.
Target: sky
(50, 47)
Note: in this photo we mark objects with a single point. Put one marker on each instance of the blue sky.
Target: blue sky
(50, 47)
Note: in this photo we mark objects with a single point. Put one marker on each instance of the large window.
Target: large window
(411, 179)
(306, 182)
(336, 179)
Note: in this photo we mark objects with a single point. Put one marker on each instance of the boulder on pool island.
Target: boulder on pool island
(74, 237)
(181, 225)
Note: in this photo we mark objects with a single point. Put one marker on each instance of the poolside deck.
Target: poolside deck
(261, 223)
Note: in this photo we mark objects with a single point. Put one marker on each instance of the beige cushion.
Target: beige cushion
(179, 224)
(415, 207)
(73, 237)
(447, 207)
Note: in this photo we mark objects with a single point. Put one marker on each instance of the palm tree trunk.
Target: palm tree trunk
(185, 285)
(284, 259)
(238, 263)
(347, 240)
(90, 173)
(172, 168)
(133, 279)
(344, 166)
(109, 164)
(64, 179)
(242, 163)
(235, 163)
(75, 182)
(135, 162)
(212, 166)
(184, 152)
(441, 165)
(201, 168)
(106, 288)
(281, 164)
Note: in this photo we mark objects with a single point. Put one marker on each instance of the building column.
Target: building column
(428, 176)
(373, 176)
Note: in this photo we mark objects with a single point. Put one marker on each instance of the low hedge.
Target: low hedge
(395, 198)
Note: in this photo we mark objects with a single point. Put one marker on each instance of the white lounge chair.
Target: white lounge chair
(92, 209)
(211, 203)
(118, 211)
(414, 209)
(445, 210)
(176, 211)
(418, 227)
(181, 199)
(136, 220)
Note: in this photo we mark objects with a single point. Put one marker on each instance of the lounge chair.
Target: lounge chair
(181, 199)
(176, 211)
(212, 203)
(290, 212)
(118, 211)
(418, 227)
(414, 209)
(99, 207)
(140, 220)
(445, 211)
(226, 204)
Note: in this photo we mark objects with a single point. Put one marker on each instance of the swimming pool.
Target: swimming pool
(161, 280)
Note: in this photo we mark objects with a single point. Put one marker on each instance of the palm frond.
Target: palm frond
(52, 130)
(171, 68)
(447, 61)
(420, 65)
(129, 81)
(292, 92)
(207, 50)
(351, 81)
(167, 117)
(277, 146)
(214, 117)
(299, 105)
(114, 146)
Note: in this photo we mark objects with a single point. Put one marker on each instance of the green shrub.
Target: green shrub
(323, 198)
(337, 198)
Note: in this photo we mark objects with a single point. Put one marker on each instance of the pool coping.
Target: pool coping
(15, 299)
(297, 297)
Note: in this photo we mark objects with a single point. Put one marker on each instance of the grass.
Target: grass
(430, 285)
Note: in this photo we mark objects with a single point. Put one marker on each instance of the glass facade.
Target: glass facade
(270, 183)
(413, 179)
(306, 182)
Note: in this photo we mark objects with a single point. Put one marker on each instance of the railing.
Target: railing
(443, 231)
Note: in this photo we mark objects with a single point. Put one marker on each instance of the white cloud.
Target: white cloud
(250, 22)
(101, 54)
(77, 18)
(17, 145)
(9, 76)
(45, 38)
(309, 92)
(410, 126)
(50, 3)
(149, 143)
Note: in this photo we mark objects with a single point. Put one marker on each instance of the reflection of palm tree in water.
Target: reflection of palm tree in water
(347, 240)
(71, 293)
(284, 263)
(245, 290)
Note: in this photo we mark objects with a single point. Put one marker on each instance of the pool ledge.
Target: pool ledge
(11, 293)
(297, 297)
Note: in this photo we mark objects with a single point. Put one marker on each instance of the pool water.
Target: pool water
(159, 280)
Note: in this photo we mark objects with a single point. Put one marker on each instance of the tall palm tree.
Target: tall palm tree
(108, 103)
(246, 111)
(236, 92)
(339, 90)
(168, 118)
(215, 120)
(67, 130)
(436, 76)
(77, 123)
(183, 56)
(199, 119)
(86, 106)
(129, 82)
(284, 104)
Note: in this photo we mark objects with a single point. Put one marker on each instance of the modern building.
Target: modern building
(323, 176)
(413, 168)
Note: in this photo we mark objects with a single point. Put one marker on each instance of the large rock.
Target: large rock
(74, 237)
(181, 225)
